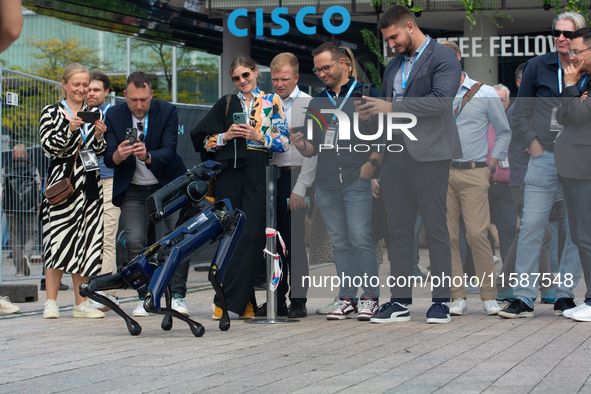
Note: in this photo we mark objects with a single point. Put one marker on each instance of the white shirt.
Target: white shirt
(295, 117)
(142, 176)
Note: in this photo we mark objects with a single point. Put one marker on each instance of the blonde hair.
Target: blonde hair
(452, 45)
(71, 70)
(285, 59)
(350, 61)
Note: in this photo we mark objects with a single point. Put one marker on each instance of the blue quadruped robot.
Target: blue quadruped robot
(200, 224)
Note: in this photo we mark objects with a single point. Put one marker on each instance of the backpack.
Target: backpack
(20, 187)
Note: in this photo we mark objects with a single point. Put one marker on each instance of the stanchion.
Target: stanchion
(271, 215)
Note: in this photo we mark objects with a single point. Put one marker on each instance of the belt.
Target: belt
(289, 168)
(467, 165)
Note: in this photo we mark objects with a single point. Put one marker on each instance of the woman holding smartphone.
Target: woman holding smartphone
(239, 132)
(72, 229)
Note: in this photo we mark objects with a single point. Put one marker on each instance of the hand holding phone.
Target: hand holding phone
(88, 116)
(131, 136)
(239, 118)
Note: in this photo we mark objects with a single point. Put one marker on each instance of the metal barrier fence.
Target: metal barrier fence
(23, 167)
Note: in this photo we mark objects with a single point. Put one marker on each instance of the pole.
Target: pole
(174, 82)
(128, 56)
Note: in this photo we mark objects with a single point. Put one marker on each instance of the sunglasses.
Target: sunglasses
(245, 75)
(566, 33)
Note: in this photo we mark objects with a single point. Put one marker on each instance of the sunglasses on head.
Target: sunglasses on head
(245, 75)
(566, 33)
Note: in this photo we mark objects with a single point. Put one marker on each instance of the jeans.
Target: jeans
(541, 186)
(578, 209)
(418, 228)
(346, 213)
(554, 247)
(140, 233)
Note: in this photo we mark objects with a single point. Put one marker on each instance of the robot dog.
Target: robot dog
(202, 224)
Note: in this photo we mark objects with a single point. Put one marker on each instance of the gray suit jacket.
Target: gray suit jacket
(431, 88)
(572, 148)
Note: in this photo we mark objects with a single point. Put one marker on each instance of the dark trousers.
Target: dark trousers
(140, 233)
(578, 208)
(246, 189)
(409, 186)
(291, 226)
(503, 213)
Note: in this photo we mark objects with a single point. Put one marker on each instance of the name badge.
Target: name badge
(505, 163)
(554, 125)
(89, 160)
(329, 138)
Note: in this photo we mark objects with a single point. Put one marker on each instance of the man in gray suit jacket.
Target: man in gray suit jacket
(422, 80)
(572, 150)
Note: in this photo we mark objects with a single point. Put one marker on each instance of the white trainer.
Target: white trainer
(179, 305)
(7, 307)
(139, 310)
(491, 307)
(52, 310)
(569, 312)
(459, 307)
(583, 314)
(325, 310)
(87, 311)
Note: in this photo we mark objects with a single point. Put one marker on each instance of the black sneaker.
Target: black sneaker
(391, 312)
(517, 309)
(262, 311)
(297, 310)
(438, 313)
(563, 304)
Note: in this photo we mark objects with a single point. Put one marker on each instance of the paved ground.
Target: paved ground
(474, 353)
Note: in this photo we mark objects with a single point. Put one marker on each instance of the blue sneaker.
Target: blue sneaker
(391, 312)
(548, 297)
(438, 313)
(506, 295)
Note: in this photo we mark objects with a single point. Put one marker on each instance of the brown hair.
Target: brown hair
(139, 79)
(71, 70)
(244, 61)
(396, 15)
(98, 76)
(452, 45)
(285, 59)
(335, 51)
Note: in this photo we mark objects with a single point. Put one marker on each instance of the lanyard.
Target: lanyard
(412, 64)
(559, 77)
(582, 83)
(334, 102)
(85, 132)
(290, 104)
(106, 108)
(145, 121)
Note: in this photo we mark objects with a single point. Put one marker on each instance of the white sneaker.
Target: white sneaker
(52, 310)
(7, 307)
(87, 311)
(459, 307)
(491, 307)
(179, 305)
(367, 310)
(139, 310)
(569, 312)
(583, 314)
(325, 310)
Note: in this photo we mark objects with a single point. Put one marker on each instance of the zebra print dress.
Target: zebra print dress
(72, 230)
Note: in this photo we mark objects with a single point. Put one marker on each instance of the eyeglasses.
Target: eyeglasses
(566, 33)
(324, 69)
(576, 53)
(245, 75)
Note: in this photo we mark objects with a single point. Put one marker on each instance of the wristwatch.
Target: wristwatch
(147, 157)
(263, 140)
(491, 168)
(373, 162)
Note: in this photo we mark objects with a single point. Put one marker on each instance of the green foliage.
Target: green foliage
(474, 7)
(375, 46)
(56, 54)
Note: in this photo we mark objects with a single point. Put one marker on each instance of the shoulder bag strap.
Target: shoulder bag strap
(467, 97)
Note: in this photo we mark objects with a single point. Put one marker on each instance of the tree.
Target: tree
(56, 54)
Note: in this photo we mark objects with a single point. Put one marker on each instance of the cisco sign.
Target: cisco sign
(278, 19)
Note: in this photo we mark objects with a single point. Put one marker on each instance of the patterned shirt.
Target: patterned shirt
(267, 115)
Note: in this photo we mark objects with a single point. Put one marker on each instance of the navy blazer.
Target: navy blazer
(432, 85)
(160, 142)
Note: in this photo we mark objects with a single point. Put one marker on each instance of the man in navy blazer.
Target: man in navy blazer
(144, 167)
(422, 80)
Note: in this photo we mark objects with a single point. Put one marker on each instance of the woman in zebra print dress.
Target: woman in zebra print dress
(73, 229)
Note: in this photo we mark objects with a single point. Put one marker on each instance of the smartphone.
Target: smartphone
(306, 201)
(300, 129)
(358, 96)
(366, 90)
(239, 118)
(131, 135)
(89, 117)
